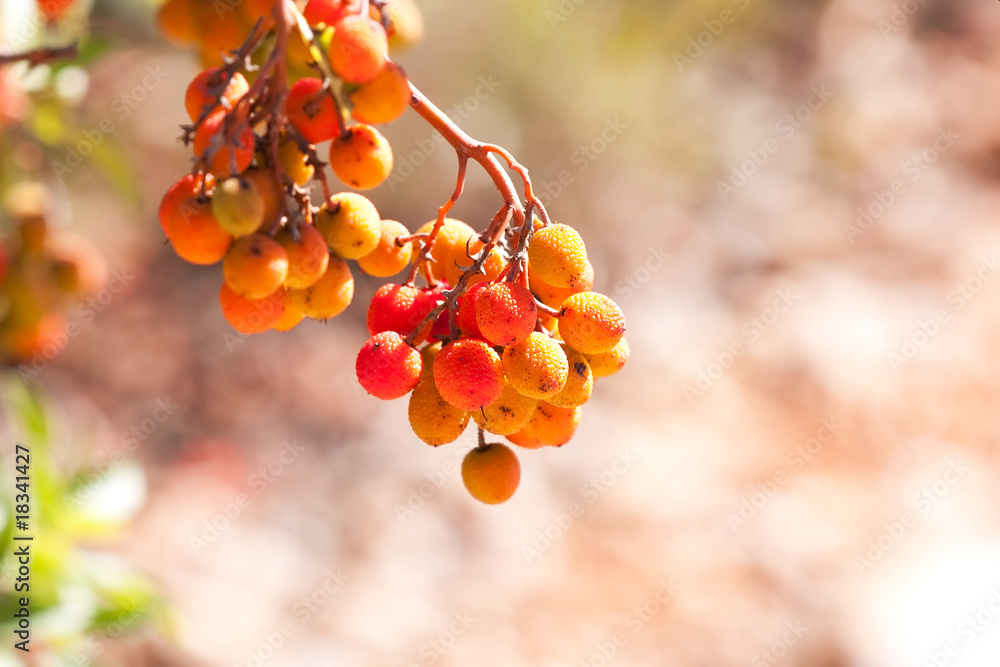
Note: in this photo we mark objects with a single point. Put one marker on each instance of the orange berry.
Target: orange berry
(290, 317)
(329, 296)
(351, 225)
(255, 267)
(466, 318)
(44, 336)
(506, 313)
(177, 20)
(491, 473)
(558, 256)
(388, 258)
(608, 363)
(433, 419)
(325, 11)
(196, 235)
(311, 110)
(449, 242)
(219, 33)
(508, 414)
(591, 323)
(358, 48)
(227, 158)
(361, 157)
(468, 374)
(383, 99)
(536, 367)
(270, 191)
(206, 88)
(250, 316)
(549, 426)
(387, 367)
(399, 308)
(238, 206)
(553, 297)
(295, 162)
(54, 9)
(186, 192)
(579, 383)
(307, 258)
(407, 24)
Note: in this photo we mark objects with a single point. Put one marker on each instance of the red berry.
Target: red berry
(387, 367)
(311, 111)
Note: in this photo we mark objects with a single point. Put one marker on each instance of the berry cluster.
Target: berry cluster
(41, 272)
(500, 326)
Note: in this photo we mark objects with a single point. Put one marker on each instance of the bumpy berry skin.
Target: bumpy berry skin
(604, 364)
(238, 206)
(197, 237)
(449, 242)
(591, 323)
(387, 367)
(351, 225)
(358, 49)
(311, 111)
(492, 473)
(558, 256)
(506, 313)
(185, 196)
(579, 383)
(329, 296)
(361, 157)
(307, 258)
(553, 297)
(399, 308)
(237, 154)
(550, 426)
(255, 266)
(388, 258)
(468, 374)
(536, 367)
(466, 319)
(199, 95)
(433, 419)
(384, 98)
(508, 414)
(250, 316)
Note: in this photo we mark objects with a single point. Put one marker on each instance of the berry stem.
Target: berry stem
(40, 56)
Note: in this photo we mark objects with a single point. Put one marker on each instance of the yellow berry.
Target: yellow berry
(558, 256)
(536, 367)
(433, 419)
(491, 473)
(579, 384)
(508, 414)
(351, 225)
(608, 363)
(590, 322)
(329, 296)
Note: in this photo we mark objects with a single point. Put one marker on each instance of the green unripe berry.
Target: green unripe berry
(238, 206)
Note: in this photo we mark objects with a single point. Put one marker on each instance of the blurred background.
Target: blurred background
(796, 205)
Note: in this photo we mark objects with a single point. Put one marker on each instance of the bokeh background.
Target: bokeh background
(796, 205)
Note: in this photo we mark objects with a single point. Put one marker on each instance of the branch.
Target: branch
(41, 56)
